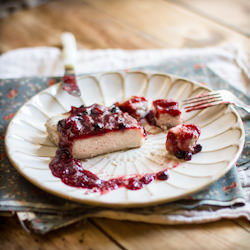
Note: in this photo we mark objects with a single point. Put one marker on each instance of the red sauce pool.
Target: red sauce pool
(72, 173)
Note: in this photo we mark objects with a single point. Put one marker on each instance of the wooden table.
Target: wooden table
(131, 24)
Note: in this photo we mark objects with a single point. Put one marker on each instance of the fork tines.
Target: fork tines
(200, 98)
(202, 101)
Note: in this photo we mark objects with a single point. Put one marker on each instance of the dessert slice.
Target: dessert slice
(181, 141)
(135, 106)
(165, 113)
(94, 130)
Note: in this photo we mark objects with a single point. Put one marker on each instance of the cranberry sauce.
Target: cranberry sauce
(136, 106)
(180, 140)
(73, 174)
(70, 83)
(162, 106)
(84, 122)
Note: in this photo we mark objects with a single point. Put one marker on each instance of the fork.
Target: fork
(213, 98)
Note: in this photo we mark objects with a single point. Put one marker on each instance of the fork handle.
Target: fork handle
(243, 106)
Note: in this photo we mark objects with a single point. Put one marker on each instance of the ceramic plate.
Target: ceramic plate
(222, 138)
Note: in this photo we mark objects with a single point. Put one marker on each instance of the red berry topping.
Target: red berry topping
(162, 106)
(163, 175)
(136, 106)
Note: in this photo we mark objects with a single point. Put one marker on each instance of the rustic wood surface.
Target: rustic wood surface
(130, 24)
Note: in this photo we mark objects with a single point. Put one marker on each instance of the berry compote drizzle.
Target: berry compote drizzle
(72, 173)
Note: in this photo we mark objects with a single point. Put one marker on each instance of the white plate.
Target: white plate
(222, 138)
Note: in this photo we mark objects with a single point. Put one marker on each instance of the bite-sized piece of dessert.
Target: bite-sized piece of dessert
(165, 113)
(136, 106)
(181, 141)
(94, 130)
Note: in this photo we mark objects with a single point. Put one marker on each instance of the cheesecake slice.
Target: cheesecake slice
(182, 141)
(94, 130)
